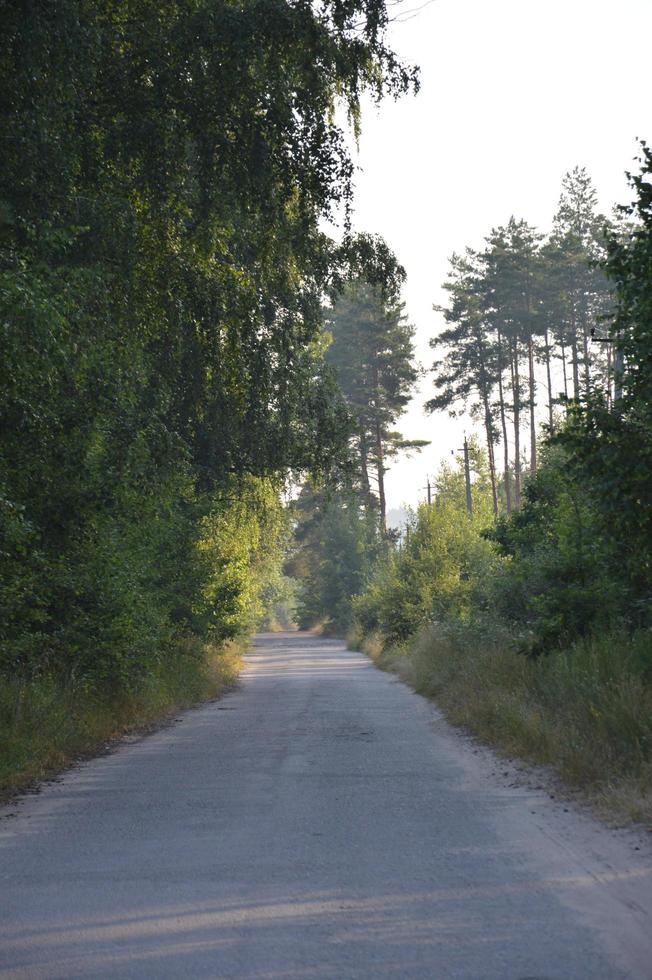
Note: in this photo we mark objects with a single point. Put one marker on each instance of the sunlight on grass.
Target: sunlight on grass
(46, 723)
(587, 711)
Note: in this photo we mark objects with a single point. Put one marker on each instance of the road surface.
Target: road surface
(320, 821)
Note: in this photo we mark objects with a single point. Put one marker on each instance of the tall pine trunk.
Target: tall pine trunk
(488, 425)
(533, 430)
(551, 417)
(379, 452)
(380, 468)
(503, 425)
(563, 363)
(516, 391)
(490, 453)
(364, 467)
(587, 367)
(574, 358)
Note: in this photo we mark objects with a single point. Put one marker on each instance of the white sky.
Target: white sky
(514, 93)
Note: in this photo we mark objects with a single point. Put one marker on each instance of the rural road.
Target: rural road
(320, 821)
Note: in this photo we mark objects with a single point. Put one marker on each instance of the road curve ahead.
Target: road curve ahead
(320, 821)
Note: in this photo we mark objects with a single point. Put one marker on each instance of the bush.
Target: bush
(440, 572)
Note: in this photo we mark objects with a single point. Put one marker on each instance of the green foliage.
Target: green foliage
(586, 711)
(341, 529)
(521, 303)
(47, 721)
(240, 546)
(555, 584)
(165, 168)
(611, 447)
(441, 571)
(547, 574)
(336, 543)
(372, 352)
(576, 551)
(568, 573)
(467, 375)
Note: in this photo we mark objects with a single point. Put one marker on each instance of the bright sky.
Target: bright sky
(514, 93)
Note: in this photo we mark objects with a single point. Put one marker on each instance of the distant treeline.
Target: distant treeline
(526, 315)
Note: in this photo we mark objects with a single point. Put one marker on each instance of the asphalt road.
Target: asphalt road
(319, 821)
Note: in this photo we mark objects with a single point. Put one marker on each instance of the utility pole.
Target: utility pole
(428, 489)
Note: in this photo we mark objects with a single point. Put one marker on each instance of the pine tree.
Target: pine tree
(468, 373)
(372, 352)
(578, 289)
(512, 301)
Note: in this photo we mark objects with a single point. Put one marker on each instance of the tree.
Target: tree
(577, 288)
(512, 296)
(336, 542)
(372, 353)
(611, 446)
(165, 168)
(442, 571)
(468, 374)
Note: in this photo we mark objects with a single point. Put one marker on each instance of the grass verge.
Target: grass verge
(46, 723)
(586, 712)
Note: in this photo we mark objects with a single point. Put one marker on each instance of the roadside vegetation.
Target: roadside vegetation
(48, 722)
(165, 169)
(520, 597)
(181, 343)
(445, 613)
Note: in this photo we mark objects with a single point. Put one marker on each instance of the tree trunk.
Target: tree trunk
(551, 417)
(574, 357)
(503, 425)
(380, 469)
(490, 453)
(364, 467)
(587, 368)
(533, 430)
(488, 424)
(563, 362)
(379, 452)
(516, 391)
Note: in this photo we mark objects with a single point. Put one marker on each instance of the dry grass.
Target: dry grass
(45, 724)
(586, 712)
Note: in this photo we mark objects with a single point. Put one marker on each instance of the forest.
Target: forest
(202, 394)
(166, 170)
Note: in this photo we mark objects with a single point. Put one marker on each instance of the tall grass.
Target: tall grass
(46, 722)
(585, 711)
